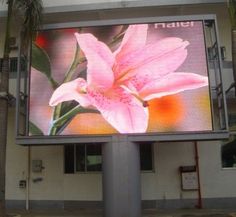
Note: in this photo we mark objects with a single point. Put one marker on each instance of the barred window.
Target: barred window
(13, 64)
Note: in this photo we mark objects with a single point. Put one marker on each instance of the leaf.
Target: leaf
(34, 130)
(40, 60)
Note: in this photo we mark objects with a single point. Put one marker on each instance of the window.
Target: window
(228, 154)
(88, 158)
(146, 157)
(13, 64)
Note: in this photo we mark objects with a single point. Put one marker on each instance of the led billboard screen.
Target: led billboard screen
(137, 78)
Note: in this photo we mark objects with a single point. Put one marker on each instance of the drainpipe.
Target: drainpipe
(199, 204)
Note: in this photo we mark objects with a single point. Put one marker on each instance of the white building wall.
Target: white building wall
(86, 187)
(169, 157)
(52, 175)
(16, 166)
(216, 182)
(162, 184)
(55, 185)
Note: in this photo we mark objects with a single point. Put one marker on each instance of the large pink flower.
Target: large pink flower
(119, 84)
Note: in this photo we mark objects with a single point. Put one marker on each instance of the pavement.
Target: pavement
(146, 213)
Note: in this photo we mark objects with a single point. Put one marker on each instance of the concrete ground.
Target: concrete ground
(146, 213)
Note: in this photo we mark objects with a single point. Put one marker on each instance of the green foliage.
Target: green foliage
(232, 12)
(40, 60)
(31, 14)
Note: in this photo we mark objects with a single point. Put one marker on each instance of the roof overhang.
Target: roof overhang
(104, 5)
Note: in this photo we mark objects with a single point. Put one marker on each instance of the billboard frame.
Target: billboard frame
(173, 136)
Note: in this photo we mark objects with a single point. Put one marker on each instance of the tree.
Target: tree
(232, 15)
(30, 14)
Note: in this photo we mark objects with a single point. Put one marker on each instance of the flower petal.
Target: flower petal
(122, 110)
(171, 84)
(129, 44)
(100, 61)
(73, 90)
(156, 59)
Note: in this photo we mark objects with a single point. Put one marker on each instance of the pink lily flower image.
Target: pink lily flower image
(120, 83)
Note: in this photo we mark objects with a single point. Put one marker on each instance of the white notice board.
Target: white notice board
(189, 180)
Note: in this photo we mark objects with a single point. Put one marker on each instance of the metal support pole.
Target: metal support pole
(121, 178)
(199, 205)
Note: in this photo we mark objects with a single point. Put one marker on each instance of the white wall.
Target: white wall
(50, 188)
(163, 183)
(55, 184)
(216, 182)
(16, 166)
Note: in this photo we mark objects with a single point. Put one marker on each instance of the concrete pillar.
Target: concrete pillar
(121, 178)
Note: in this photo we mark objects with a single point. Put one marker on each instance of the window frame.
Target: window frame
(223, 143)
(85, 145)
(152, 156)
(100, 171)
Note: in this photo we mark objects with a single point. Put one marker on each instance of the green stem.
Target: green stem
(76, 61)
(56, 115)
(78, 109)
(53, 83)
(57, 110)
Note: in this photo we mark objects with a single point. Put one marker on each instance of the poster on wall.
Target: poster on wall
(120, 79)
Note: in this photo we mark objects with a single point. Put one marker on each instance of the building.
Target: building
(55, 181)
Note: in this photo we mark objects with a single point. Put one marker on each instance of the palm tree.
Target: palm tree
(30, 12)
